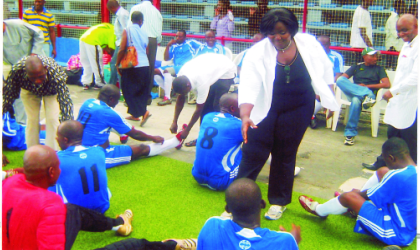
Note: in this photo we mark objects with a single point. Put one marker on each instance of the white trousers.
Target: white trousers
(91, 59)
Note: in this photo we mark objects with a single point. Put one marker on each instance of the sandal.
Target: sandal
(132, 118)
(191, 143)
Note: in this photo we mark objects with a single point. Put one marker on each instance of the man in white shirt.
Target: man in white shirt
(401, 112)
(392, 41)
(120, 24)
(211, 76)
(361, 28)
(152, 24)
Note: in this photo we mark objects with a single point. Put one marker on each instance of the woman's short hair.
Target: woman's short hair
(283, 15)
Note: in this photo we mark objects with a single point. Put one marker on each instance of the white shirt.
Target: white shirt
(204, 70)
(152, 19)
(402, 107)
(258, 73)
(391, 38)
(361, 19)
(120, 23)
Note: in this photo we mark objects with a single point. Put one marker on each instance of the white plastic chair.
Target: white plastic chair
(228, 53)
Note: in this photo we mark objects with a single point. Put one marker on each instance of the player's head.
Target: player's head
(41, 166)
(324, 40)
(181, 36)
(228, 103)
(110, 94)
(181, 85)
(137, 17)
(210, 38)
(395, 151)
(407, 27)
(39, 5)
(257, 37)
(113, 6)
(35, 70)
(244, 200)
(69, 133)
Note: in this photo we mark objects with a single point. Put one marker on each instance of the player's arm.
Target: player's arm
(141, 136)
(197, 113)
(167, 55)
(365, 37)
(180, 101)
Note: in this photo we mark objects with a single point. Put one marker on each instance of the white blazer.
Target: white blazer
(258, 74)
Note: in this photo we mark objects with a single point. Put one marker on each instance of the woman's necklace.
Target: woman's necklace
(287, 47)
(287, 67)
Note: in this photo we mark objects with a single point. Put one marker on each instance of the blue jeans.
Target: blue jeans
(355, 94)
(114, 73)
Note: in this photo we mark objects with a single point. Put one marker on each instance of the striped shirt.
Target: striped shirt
(153, 20)
(43, 21)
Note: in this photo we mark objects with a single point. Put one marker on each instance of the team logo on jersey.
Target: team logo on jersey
(90, 105)
(215, 119)
(83, 156)
(244, 244)
(109, 149)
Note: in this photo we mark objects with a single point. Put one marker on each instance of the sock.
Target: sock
(159, 81)
(157, 148)
(332, 206)
(116, 228)
(118, 222)
(318, 107)
(372, 181)
(167, 77)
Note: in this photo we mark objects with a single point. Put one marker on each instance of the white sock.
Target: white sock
(116, 228)
(332, 206)
(372, 181)
(157, 148)
(167, 77)
(3, 175)
(318, 107)
(159, 81)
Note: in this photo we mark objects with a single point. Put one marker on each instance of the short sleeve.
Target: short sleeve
(117, 122)
(171, 52)
(336, 66)
(382, 73)
(207, 239)
(350, 72)
(51, 23)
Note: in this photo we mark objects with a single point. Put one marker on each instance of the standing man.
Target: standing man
(152, 24)
(36, 79)
(119, 25)
(361, 28)
(392, 41)
(401, 112)
(40, 17)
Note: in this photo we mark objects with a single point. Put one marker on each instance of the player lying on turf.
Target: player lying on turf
(98, 118)
(387, 210)
(35, 218)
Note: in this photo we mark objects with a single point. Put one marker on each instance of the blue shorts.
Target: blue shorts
(117, 155)
(377, 223)
(218, 183)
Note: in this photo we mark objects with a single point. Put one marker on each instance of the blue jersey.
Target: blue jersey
(83, 180)
(182, 53)
(218, 150)
(337, 61)
(97, 119)
(221, 233)
(217, 49)
(396, 198)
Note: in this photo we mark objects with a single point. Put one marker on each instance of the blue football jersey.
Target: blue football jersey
(218, 148)
(83, 180)
(217, 49)
(221, 233)
(97, 119)
(182, 53)
(337, 60)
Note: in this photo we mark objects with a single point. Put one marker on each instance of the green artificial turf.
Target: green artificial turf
(168, 203)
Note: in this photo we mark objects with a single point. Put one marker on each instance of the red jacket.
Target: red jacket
(32, 217)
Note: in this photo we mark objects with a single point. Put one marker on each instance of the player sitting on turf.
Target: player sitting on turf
(83, 180)
(244, 201)
(98, 118)
(218, 152)
(35, 218)
(387, 210)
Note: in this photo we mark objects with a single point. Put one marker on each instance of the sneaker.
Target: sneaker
(368, 102)
(314, 122)
(297, 170)
(178, 136)
(165, 101)
(275, 212)
(97, 86)
(126, 228)
(226, 215)
(187, 244)
(309, 205)
(123, 139)
(349, 141)
(370, 166)
(85, 87)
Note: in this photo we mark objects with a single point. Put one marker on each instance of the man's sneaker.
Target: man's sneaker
(178, 136)
(165, 101)
(123, 139)
(309, 205)
(226, 215)
(97, 86)
(85, 87)
(314, 122)
(368, 102)
(187, 244)
(126, 228)
(372, 166)
(275, 212)
(349, 141)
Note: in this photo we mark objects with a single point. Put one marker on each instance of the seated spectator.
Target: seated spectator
(368, 77)
(83, 180)
(244, 201)
(98, 118)
(92, 42)
(338, 68)
(218, 152)
(35, 218)
(181, 51)
(211, 46)
(388, 209)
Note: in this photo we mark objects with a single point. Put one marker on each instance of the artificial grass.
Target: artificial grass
(168, 203)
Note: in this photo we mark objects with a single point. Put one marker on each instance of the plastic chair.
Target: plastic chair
(228, 53)
(238, 57)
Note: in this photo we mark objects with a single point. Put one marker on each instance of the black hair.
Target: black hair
(179, 84)
(396, 147)
(183, 31)
(283, 15)
(243, 198)
(136, 17)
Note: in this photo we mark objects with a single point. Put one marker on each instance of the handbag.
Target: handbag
(130, 57)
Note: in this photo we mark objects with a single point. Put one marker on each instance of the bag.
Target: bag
(74, 76)
(130, 58)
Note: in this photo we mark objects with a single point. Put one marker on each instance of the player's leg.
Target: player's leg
(131, 244)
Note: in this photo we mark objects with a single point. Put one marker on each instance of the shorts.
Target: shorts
(117, 155)
(219, 183)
